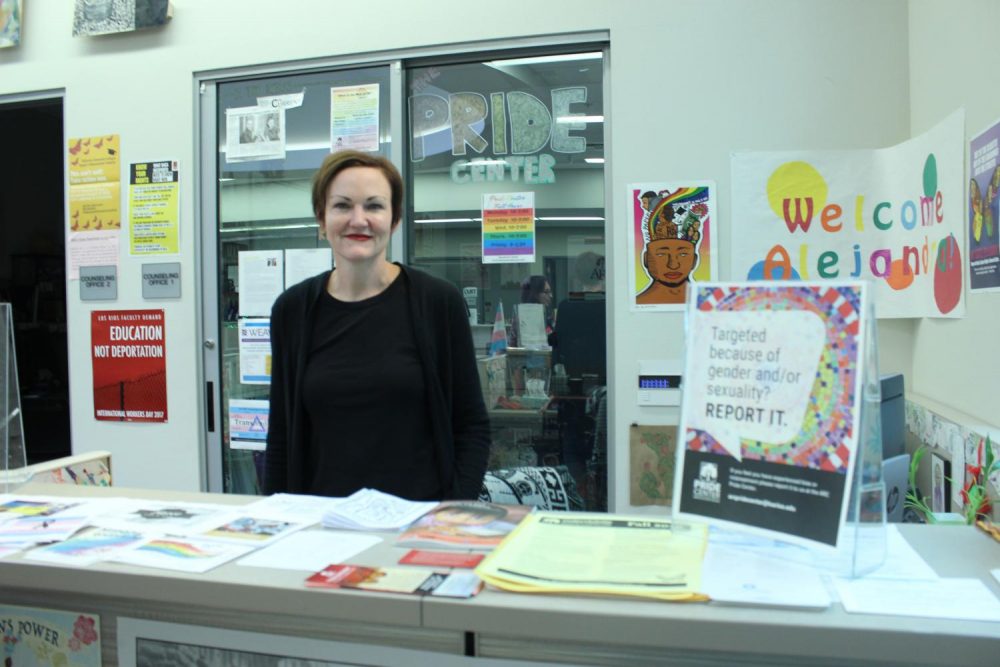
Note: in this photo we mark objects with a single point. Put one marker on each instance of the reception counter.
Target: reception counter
(274, 607)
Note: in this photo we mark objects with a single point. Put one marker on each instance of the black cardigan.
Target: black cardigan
(459, 422)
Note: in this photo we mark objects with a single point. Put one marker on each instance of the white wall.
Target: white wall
(955, 371)
(690, 82)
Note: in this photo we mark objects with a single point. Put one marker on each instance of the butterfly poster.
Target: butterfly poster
(983, 221)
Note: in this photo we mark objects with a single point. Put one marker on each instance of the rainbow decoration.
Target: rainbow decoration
(508, 228)
(175, 549)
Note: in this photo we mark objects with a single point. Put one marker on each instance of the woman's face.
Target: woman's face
(545, 296)
(357, 218)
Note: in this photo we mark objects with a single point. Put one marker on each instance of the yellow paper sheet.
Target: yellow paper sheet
(602, 554)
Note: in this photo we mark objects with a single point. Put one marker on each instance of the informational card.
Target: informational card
(251, 530)
(671, 241)
(771, 408)
(302, 263)
(255, 133)
(984, 209)
(354, 117)
(87, 547)
(248, 421)
(261, 278)
(509, 228)
(182, 554)
(129, 365)
(154, 207)
(255, 350)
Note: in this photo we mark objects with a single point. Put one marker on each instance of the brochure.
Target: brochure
(408, 580)
(464, 524)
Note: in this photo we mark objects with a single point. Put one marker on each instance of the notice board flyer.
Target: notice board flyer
(771, 409)
(130, 365)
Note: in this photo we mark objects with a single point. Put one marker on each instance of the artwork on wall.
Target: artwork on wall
(892, 216)
(10, 23)
(102, 17)
(652, 452)
(984, 210)
(670, 236)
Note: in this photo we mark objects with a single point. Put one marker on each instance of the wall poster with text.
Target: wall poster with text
(95, 216)
(771, 407)
(893, 216)
(984, 194)
(37, 636)
(508, 228)
(130, 365)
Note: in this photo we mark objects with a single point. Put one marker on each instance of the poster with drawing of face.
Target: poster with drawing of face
(670, 240)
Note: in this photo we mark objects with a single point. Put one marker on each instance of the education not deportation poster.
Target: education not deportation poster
(894, 216)
(771, 408)
(130, 365)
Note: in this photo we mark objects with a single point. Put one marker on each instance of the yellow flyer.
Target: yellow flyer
(603, 554)
(153, 207)
(94, 190)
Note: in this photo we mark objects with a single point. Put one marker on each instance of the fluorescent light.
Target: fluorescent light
(435, 220)
(538, 60)
(265, 228)
(226, 180)
(581, 218)
(485, 162)
(594, 160)
(580, 119)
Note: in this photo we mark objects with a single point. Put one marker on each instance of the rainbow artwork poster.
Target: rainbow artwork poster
(183, 554)
(509, 228)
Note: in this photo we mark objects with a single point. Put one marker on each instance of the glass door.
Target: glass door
(506, 174)
(270, 134)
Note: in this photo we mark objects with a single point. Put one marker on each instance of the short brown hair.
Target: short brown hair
(334, 163)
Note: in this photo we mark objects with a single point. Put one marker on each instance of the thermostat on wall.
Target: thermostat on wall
(659, 383)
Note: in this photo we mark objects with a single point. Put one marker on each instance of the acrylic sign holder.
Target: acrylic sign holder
(862, 544)
(12, 454)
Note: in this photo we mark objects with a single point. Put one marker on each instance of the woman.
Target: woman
(374, 381)
(536, 289)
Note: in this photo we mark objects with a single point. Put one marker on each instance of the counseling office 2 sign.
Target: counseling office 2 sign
(130, 365)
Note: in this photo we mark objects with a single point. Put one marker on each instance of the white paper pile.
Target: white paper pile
(369, 509)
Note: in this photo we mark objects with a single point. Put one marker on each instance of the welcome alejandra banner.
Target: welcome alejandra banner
(894, 216)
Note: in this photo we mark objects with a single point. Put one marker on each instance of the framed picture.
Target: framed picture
(940, 484)
(10, 23)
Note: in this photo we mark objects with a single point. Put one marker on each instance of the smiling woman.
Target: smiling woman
(372, 338)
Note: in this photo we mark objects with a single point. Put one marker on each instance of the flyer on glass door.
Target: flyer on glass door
(771, 408)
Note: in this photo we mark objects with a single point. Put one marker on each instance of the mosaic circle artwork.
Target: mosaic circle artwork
(830, 421)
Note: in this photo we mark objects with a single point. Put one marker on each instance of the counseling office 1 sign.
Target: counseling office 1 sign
(771, 409)
(130, 365)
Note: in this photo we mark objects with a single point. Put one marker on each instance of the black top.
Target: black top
(456, 413)
(365, 398)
